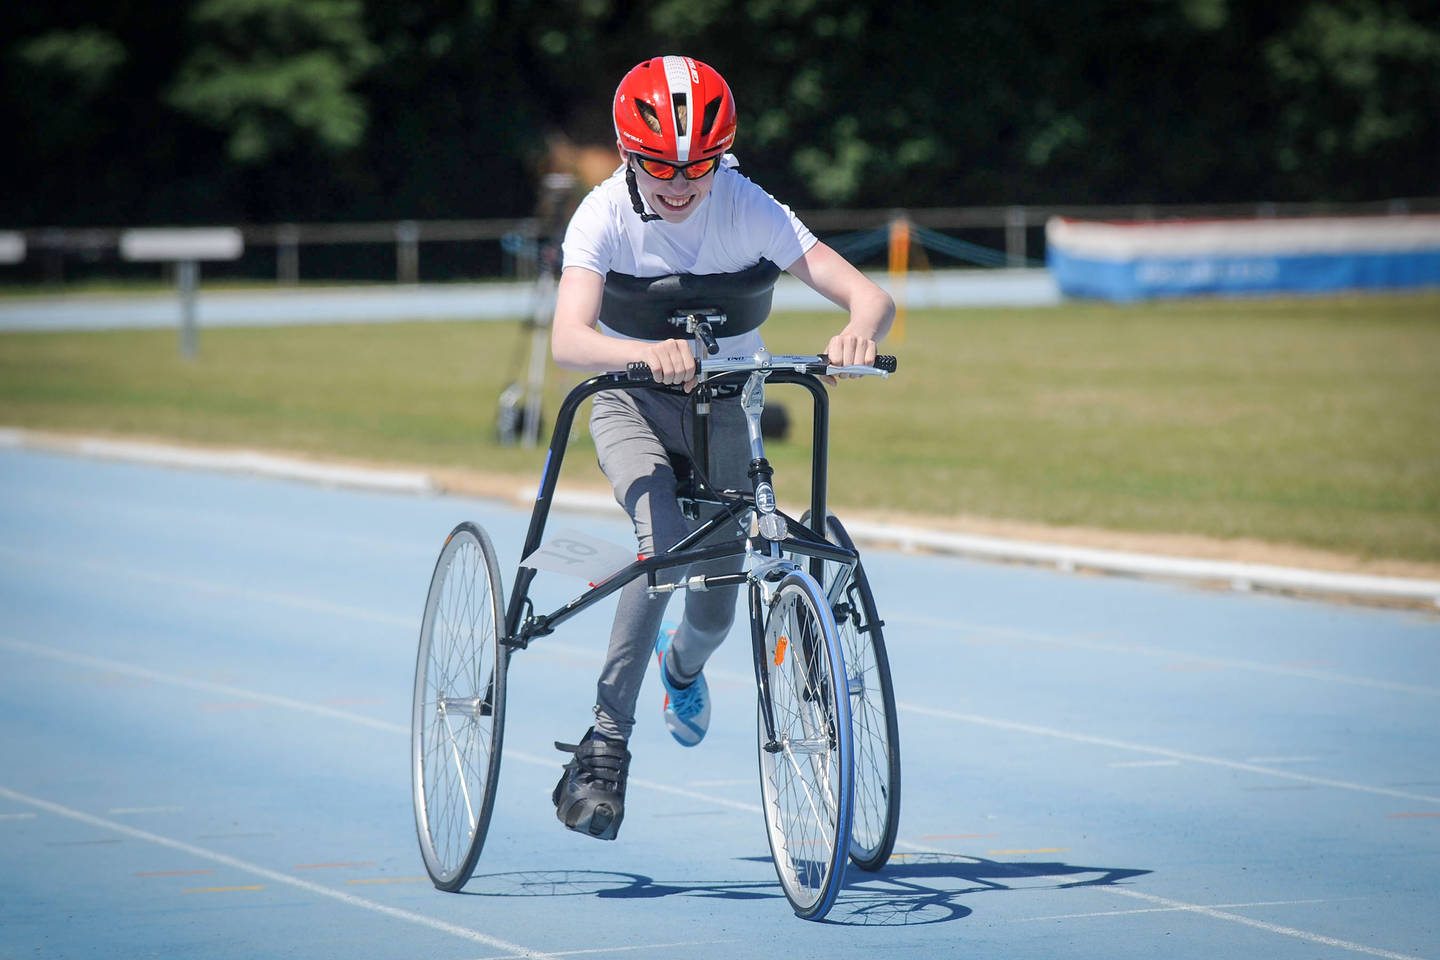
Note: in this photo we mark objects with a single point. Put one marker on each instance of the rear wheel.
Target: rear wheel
(458, 716)
(872, 706)
(805, 770)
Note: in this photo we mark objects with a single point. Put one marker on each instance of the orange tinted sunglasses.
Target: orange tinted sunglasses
(661, 170)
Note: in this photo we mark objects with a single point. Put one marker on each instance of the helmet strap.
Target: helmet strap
(635, 196)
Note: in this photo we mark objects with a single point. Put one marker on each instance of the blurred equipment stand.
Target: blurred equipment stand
(184, 247)
(518, 417)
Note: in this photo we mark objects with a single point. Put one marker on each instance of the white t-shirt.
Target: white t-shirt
(734, 227)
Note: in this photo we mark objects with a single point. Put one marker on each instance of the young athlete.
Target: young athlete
(676, 205)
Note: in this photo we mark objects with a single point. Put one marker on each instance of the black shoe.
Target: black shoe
(590, 797)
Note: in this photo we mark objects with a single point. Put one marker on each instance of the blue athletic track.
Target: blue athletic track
(205, 695)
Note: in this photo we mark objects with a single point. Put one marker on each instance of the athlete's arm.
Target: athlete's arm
(577, 345)
(871, 308)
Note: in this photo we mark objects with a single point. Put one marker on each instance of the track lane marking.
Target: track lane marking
(1212, 906)
(102, 663)
(174, 873)
(192, 683)
(1294, 669)
(1217, 914)
(211, 586)
(127, 811)
(1189, 660)
(689, 946)
(1023, 852)
(1143, 763)
(1181, 755)
(241, 693)
(303, 706)
(244, 866)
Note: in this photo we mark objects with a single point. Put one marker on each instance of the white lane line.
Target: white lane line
(244, 866)
(1143, 763)
(1213, 906)
(205, 686)
(18, 816)
(195, 584)
(229, 690)
(687, 944)
(1181, 755)
(115, 666)
(751, 808)
(1304, 673)
(126, 811)
(305, 706)
(1276, 928)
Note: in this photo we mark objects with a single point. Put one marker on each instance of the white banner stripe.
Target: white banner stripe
(1097, 240)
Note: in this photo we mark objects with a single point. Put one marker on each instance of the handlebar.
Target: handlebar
(815, 364)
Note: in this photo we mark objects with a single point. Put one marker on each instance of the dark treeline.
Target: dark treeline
(313, 110)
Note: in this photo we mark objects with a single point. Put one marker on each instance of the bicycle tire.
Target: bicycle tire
(805, 775)
(457, 720)
(873, 712)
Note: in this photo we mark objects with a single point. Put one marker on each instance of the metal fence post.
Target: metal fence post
(407, 252)
(187, 277)
(1015, 224)
(287, 254)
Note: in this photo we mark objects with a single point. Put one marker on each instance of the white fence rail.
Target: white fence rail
(1020, 224)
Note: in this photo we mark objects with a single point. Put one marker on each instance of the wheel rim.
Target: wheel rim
(457, 702)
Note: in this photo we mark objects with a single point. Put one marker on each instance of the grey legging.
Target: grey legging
(633, 433)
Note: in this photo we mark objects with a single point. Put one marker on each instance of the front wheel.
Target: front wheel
(457, 721)
(805, 768)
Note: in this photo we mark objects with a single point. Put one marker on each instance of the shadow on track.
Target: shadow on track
(923, 888)
(912, 889)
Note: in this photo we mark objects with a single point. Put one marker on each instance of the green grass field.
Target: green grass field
(1306, 422)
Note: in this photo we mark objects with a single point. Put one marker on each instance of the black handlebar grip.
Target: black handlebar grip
(702, 330)
(638, 371)
(886, 363)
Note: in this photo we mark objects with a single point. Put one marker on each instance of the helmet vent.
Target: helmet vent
(682, 113)
(648, 114)
(712, 109)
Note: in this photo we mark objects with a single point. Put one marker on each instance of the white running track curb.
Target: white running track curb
(1239, 576)
(228, 461)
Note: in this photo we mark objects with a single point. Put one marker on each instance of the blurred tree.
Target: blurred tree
(60, 81)
(1358, 89)
(256, 110)
(273, 72)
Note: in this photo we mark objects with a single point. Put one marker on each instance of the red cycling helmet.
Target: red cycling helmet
(675, 109)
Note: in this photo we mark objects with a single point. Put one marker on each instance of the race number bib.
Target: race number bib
(579, 555)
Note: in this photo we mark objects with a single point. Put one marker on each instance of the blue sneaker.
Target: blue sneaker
(687, 709)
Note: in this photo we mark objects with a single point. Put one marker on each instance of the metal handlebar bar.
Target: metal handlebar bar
(816, 364)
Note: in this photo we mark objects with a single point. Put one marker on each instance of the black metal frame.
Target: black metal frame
(523, 624)
(520, 629)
